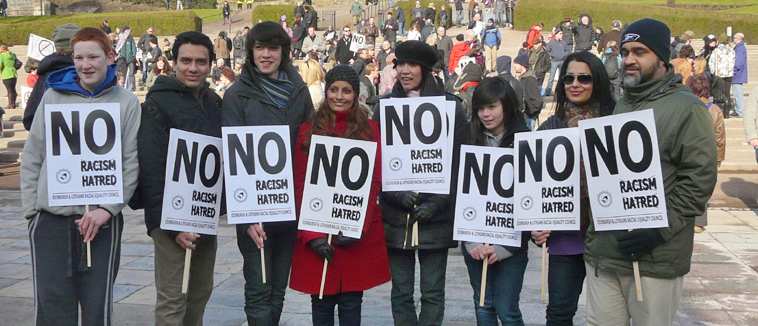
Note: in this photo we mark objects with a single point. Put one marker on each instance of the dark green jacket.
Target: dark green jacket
(687, 146)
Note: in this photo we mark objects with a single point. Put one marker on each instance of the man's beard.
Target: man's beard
(644, 76)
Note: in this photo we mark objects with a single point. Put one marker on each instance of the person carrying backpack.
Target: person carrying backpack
(491, 38)
(612, 62)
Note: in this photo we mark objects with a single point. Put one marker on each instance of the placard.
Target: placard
(465, 61)
(83, 154)
(39, 47)
(415, 145)
(194, 178)
(357, 42)
(450, 107)
(26, 92)
(623, 168)
(484, 208)
(337, 185)
(547, 187)
(258, 174)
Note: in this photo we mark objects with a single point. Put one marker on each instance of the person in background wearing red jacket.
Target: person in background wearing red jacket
(459, 50)
(355, 265)
(32, 77)
(534, 34)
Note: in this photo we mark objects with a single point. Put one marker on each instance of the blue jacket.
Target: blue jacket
(491, 36)
(66, 80)
(400, 15)
(740, 64)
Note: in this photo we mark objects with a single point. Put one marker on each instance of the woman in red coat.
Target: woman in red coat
(355, 265)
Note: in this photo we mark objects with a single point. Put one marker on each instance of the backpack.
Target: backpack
(611, 64)
(497, 37)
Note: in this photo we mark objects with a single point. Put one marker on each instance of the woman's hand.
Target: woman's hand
(480, 252)
(540, 237)
(91, 221)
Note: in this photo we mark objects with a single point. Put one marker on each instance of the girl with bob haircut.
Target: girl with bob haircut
(583, 92)
(161, 67)
(62, 280)
(495, 120)
(355, 265)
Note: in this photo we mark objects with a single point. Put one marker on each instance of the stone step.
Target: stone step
(10, 154)
(12, 125)
(21, 132)
(13, 142)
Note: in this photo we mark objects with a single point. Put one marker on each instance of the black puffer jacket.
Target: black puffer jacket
(584, 35)
(438, 232)
(503, 64)
(170, 104)
(49, 64)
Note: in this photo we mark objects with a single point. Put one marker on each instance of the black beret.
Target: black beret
(417, 52)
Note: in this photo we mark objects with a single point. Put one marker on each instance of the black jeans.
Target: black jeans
(433, 263)
(10, 86)
(565, 277)
(727, 88)
(348, 305)
(263, 302)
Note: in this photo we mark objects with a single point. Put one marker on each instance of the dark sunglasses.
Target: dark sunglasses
(584, 79)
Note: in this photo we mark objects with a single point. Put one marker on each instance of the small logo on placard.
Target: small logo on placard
(316, 204)
(63, 176)
(240, 195)
(527, 202)
(396, 164)
(177, 202)
(469, 213)
(605, 199)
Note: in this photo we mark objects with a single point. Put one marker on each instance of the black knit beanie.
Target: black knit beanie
(416, 52)
(343, 73)
(653, 33)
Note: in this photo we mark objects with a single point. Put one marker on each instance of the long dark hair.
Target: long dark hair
(269, 33)
(491, 90)
(322, 123)
(601, 84)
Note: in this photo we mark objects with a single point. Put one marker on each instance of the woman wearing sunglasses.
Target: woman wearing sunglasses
(583, 92)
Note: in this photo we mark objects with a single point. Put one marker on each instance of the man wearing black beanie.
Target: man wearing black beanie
(688, 164)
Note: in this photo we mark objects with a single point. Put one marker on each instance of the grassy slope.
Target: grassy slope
(690, 2)
(210, 15)
(744, 10)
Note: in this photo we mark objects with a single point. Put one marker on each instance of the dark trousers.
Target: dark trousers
(62, 280)
(564, 278)
(727, 88)
(433, 263)
(264, 302)
(501, 298)
(10, 86)
(348, 305)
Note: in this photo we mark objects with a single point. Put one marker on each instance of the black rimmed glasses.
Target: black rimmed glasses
(584, 79)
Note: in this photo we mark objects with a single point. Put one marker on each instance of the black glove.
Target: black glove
(322, 248)
(343, 241)
(638, 242)
(406, 199)
(424, 212)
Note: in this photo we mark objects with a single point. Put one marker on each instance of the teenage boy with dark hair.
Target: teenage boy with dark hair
(183, 101)
(269, 91)
(62, 280)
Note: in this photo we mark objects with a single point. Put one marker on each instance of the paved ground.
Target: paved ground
(721, 289)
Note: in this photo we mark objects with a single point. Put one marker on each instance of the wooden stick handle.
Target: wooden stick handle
(323, 274)
(484, 279)
(407, 221)
(637, 283)
(415, 234)
(263, 259)
(544, 267)
(89, 250)
(185, 278)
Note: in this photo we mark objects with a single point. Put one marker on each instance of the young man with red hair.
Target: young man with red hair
(62, 279)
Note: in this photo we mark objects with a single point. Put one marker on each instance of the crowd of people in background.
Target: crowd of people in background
(313, 82)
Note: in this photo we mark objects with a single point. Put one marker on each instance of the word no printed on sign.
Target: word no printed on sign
(258, 174)
(39, 47)
(547, 187)
(192, 193)
(357, 42)
(415, 144)
(337, 185)
(83, 148)
(484, 208)
(623, 169)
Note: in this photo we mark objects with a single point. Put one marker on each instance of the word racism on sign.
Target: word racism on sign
(258, 174)
(83, 148)
(192, 194)
(337, 185)
(547, 180)
(416, 147)
(623, 169)
(484, 209)
(357, 42)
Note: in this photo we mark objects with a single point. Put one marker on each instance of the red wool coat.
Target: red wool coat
(362, 265)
